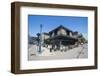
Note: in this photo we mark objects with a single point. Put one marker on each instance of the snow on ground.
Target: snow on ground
(78, 52)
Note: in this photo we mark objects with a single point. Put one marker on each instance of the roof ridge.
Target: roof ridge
(60, 26)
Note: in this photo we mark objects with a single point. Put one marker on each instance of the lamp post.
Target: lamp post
(40, 39)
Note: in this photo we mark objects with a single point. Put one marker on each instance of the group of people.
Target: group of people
(59, 48)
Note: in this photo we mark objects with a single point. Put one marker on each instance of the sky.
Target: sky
(49, 23)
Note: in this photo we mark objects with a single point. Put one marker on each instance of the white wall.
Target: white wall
(5, 33)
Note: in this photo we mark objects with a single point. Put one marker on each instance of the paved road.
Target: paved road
(78, 52)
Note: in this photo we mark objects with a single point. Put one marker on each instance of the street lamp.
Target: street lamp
(40, 38)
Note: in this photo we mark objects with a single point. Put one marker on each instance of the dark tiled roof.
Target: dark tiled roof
(46, 33)
(61, 26)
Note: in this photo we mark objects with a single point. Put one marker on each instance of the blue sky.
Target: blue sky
(73, 23)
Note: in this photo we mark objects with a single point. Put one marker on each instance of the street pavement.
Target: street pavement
(75, 53)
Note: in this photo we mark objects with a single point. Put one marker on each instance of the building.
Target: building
(59, 38)
(32, 40)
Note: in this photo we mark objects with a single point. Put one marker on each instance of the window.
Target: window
(53, 34)
(61, 32)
